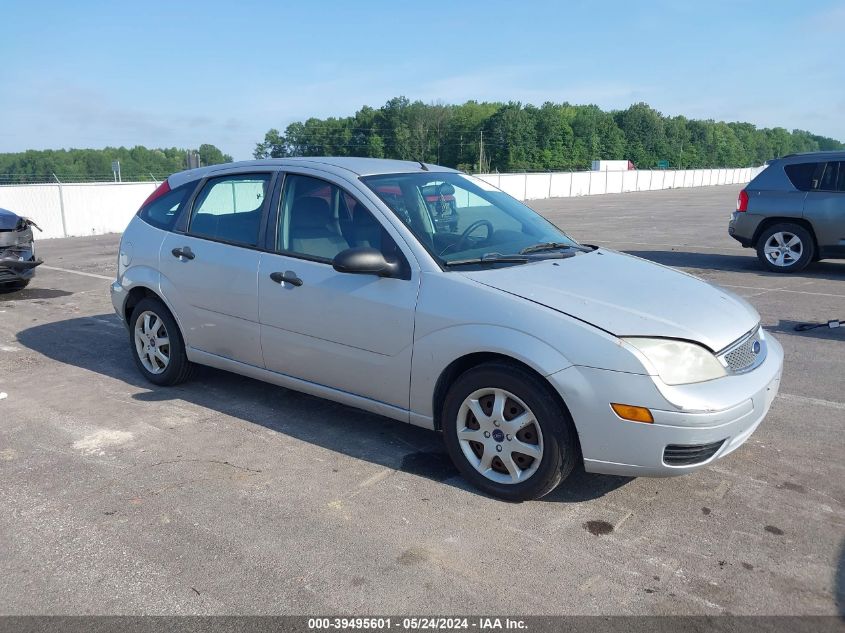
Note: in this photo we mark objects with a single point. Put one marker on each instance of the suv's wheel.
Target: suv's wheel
(157, 345)
(785, 247)
(507, 434)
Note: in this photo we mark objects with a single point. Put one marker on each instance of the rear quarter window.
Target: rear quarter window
(162, 212)
(802, 175)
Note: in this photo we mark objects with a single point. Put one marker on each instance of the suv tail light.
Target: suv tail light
(162, 189)
(742, 201)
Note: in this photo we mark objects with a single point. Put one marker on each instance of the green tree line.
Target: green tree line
(521, 137)
(136, 163)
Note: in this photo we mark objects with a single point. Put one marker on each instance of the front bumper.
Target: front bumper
(724, 411)
(13, 269)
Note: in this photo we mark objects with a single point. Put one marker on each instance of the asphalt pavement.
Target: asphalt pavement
(228, 495)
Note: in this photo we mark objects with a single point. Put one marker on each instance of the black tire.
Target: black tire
(179, 368)
(15, 285)
(788, 230)
(560, 452)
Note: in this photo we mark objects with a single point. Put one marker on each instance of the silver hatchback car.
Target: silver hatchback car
(426, 295)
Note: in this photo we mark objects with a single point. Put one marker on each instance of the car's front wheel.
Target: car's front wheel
(506, 432)
(15, 285)
(785, 247)
(157, 345)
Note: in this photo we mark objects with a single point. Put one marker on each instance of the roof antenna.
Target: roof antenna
(422, 165)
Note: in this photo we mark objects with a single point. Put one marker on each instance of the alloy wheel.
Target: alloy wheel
(152, 343)
(500, 436)
(783, 249)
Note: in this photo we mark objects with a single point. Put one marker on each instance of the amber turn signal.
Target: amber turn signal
(632, 413)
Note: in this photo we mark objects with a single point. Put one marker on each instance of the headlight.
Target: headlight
(679, 362)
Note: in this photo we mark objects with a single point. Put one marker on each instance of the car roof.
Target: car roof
(340, 165)
(802, 157)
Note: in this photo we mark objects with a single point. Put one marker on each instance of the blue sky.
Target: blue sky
(91, 74)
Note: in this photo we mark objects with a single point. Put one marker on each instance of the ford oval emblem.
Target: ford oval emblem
(756, 347)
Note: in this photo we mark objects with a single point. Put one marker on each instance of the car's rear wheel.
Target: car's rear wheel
(785, 247)
(507, 433)
(157, 345)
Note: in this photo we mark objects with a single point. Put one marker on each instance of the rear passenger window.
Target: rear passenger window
(163, 211)
(840, 184)
(228, 209)
(828, 179)
(801, 175)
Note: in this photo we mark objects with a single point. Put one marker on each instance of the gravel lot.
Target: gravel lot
(227, 495)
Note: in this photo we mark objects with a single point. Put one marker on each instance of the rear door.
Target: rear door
(208, 272)
(346, 331)
(824, 207)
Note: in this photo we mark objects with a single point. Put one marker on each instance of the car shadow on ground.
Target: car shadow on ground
(23, 294)
(828, 270)
(336, 427)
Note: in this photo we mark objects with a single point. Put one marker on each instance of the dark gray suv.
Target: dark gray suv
(793, 212)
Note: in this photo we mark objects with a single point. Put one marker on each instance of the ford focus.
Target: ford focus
(528, 351)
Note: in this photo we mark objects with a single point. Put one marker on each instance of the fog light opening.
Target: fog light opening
(632, 413)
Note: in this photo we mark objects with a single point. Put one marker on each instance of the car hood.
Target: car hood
(628, 296)
(8, 220)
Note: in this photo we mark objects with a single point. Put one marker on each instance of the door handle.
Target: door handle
(184, 252)
(287, 277)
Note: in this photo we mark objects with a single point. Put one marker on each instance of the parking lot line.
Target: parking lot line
(77, 272)
(798, 292)
(814, 401)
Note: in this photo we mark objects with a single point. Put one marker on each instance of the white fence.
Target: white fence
(77, 209)
(538, 186)
(64, 210)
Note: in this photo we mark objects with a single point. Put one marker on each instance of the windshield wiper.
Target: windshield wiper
(489, 258)
(545, 246)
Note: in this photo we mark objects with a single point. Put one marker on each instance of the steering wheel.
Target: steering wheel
(461, 243)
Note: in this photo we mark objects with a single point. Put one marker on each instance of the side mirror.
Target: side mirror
(364, 261)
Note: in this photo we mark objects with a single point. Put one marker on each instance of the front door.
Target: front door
(346, 331)
(208, 274)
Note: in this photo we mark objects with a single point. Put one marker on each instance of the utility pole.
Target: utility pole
(61, 206)
(482, 168)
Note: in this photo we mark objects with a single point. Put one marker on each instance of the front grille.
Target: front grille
(686, 455)
(741, 356)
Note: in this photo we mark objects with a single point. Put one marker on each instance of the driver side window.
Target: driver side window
(318, 220)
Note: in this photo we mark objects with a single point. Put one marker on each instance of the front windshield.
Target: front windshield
(459, 217)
